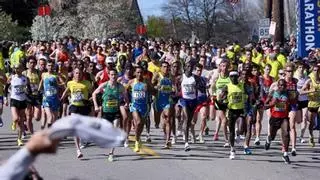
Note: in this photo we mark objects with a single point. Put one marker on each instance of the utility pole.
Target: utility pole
(278, 18)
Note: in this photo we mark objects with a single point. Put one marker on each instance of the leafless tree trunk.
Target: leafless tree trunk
(267, 8)
(278, 18)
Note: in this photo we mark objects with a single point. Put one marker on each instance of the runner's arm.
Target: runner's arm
(95, 92)
(307, 88)
(65, 93)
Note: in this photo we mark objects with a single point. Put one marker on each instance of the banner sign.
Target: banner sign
(308, 22)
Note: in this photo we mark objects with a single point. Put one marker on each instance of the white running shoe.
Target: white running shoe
(173, 140)
(257, 141)
(126, 143)
(201, 140)
(302, 140)
(79, 154)
(232, 155)
(187, 147)
(179, 133)
(226, 145)
(110, 158)
(242, 137)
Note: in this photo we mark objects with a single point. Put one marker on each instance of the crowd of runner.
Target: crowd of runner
(175, 84)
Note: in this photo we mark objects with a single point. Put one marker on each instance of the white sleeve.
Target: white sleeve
(17, 166)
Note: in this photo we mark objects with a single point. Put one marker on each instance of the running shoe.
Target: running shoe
(232, 155)
(126, 143)
(319, 140)
(206, 131)
(79, 154)
(148, 139)
(226, 145)
(1, 122)
(293, 152)
(167, 145)
(187, 147)
(193, 139)
(201, 140)
(242, 137)
(267, 146)
(311, 142)
(174, 140)
(237, 139)
(14, 126)
(137, 146)
(84, 145)
(179, 133)
(301, 140)
(247, 151)
(20, 142)
(286, 159)
(110, 157)
(216, 137)
(257, 141)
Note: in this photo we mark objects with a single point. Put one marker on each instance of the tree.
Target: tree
(156, 26)
(9, 29)
(88, 19)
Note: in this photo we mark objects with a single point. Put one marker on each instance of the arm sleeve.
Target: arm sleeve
(17, 166)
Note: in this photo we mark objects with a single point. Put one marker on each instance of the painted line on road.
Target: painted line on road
(144, 150)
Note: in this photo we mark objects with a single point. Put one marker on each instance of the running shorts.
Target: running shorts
(161, 105)
(142, 109)
(313, 109)
(110, 116)
(82, 110)
(202, 102)
(52, 103)
(20, 105)
(302, 104)
(220, 106)
(191, 104)
(293, 107)
(276, 122)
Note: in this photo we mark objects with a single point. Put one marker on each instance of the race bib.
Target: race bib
(77, 96)
(166, 89)
(112, 103)
(236, 98)
(292, 94)
(280, 106)
(139, 94)
(19, 89)
(188, 89)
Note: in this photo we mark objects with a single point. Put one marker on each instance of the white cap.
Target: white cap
(151, 47)
(110, 60)
(233, 73)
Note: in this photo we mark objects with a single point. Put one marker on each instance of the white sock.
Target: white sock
(285, 154)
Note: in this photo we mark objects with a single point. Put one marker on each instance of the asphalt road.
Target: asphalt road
(204, 161)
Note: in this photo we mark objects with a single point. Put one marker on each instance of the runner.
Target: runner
(140, 92)
(293, 99)
(302, 113)
(279, 104)
(202, 107)
(176, 95)
(124, 80)
(265, 81)
(113, 95)
(312, 89)
(163, 103)
(218, 84)
(34, 106)
(20, 90)
(3, 81)
(50, 82)
(235, 94)
(188, 100)
(79, 91)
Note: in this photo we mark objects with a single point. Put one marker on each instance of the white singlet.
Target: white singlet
(188, 87)
(18, 87)
(300, 83)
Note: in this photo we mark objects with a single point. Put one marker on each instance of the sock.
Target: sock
(285, 154)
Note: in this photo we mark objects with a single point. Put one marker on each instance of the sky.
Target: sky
(151, 7)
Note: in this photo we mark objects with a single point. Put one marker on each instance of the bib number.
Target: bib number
(139, 94)
(280, 106)
(78, 96)
(236, 98)
(19, 89)
(112, 103)
(51, 92)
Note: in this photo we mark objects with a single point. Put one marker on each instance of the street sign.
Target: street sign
(141, 29)
(264, 22)
(264, 32)
(264, 26)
